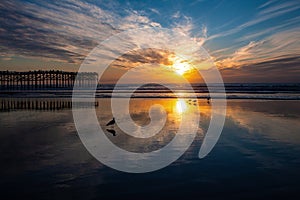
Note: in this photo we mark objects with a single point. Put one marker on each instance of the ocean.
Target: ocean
(288, 91)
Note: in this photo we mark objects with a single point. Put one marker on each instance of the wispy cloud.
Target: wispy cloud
(266, 4)
(276, 8)
(60, 30)
(154, 11)
(260, 33)
(266, 13)
(182, 23)
(241, 57)
(279, 48)
(136, 20)
(176, 15)
(196, 2)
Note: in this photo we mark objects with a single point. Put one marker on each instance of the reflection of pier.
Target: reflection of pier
(45, 79)
(40, 104)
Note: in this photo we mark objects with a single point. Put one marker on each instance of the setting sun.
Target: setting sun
(180, 66)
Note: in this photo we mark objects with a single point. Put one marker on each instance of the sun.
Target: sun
(180, 66)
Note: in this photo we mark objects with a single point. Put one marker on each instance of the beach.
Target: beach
(257, 155)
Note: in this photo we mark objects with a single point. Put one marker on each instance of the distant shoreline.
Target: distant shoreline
(267, 91)
(262, 95)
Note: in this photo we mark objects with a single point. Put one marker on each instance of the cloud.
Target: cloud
(193, 3)
(139, 57)
(154, 11)
(278, 70)
(182, 24)
(136, 20)
(241, 57)
(62, 31)
(279, 46)
(278, 54)
(266, 4)
(176, 15)
(266, 13)
(148, 52)
(276, 8)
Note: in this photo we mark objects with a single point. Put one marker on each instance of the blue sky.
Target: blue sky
(249, 41)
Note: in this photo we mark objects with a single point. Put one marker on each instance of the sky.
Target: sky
(248, 41)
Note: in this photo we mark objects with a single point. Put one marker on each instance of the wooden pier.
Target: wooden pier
(12, 80)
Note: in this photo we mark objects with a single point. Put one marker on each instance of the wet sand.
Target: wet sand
(257, 155)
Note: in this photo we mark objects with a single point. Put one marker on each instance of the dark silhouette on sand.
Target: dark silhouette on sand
(111, 122)
(113, 132)
(208, 99)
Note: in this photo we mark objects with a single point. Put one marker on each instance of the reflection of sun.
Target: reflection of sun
(180, 66)
(181, 106)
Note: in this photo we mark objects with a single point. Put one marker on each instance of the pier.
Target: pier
(12, 80)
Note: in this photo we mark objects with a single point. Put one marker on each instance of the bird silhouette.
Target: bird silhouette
(111, 122)
(208, 100)
(113, 132)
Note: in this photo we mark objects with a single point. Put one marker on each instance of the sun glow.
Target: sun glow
(180, 66)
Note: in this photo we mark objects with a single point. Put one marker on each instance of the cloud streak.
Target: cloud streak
(64, 31)
(278, 46)
(266, 13)
(277, 55)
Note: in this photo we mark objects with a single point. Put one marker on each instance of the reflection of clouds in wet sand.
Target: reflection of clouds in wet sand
(275, 126)
(41, 150)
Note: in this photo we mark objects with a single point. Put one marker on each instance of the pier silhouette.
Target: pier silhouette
(12, 80)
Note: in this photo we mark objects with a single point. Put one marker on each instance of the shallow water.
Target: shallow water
(257, 155)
